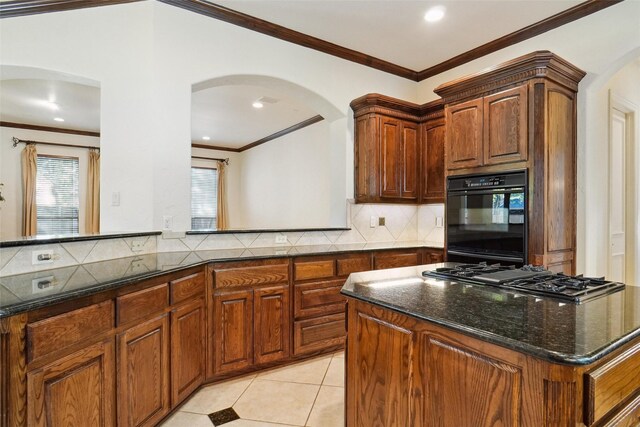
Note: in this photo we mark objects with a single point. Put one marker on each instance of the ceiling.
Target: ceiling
(395, 31)
(225, 114)
(29, 101)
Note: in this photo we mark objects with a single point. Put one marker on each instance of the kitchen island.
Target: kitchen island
(430, 352)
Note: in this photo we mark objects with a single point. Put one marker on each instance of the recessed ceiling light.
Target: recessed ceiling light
(257, 104)
(58, 119)
(434, 14)
(206, 138)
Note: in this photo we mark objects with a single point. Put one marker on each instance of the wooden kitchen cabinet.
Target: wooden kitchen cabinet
(396, 258)
(391, 163)
(143, 373)
(432, 161)
(432, 256)
(188, 349)
(271, 324)
(233, 330)
(464, 134)
(76, 391)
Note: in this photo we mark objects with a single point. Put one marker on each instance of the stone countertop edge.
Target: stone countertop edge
(79, 238)
(26, 306)
(266, 230)
(552, 356)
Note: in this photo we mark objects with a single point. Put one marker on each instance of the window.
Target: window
(204, 198)
(57, 198)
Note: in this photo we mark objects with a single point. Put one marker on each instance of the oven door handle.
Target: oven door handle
(479, 192)
(492, 257)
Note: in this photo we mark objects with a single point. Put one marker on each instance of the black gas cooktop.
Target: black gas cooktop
(529, 279)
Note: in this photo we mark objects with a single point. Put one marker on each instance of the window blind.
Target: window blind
(204, 198)
(57, 195)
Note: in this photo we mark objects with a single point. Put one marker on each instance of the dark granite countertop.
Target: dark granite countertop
(558, 331)
(63, 238)
(24, 292)
(266, 230)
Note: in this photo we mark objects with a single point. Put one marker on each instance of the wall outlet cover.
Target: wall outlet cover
(373, 222)
(167, 222)
(42, 284)
(137, 245)
(439, 222)
(281, 239)
(45, 256)
(381, 221)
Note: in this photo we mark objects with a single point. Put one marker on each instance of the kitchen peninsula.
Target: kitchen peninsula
(423, 351)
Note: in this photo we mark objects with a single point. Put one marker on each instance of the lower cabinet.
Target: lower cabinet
(433, 256)
(396, 258)
(188, 349)
(143, 373)
(75, 391)
(251, 327)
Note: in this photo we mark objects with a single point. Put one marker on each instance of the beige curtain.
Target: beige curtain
(222, 197)
(93, 193)
(29, 171)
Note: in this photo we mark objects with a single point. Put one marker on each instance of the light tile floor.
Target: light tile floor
(309, 393)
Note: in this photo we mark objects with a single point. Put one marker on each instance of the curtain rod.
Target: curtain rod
(17, 141)
(225, 161)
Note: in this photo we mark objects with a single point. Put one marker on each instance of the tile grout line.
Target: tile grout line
(318, 393)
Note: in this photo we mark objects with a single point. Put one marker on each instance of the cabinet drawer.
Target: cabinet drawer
(305, 270)
(394, 260)
(251, 276)
(318, 334)
(58, 332)
(137, 305)
(187, 287)
(313, 299)
(611, 383)
(354, 264)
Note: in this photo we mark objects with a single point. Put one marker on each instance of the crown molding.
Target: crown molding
(11, 9)
(49, 129)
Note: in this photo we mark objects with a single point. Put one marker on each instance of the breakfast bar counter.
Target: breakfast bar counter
(424, 351)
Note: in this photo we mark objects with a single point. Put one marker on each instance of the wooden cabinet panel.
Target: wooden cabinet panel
(390, 157)
(188, 336)
(138, 305)
(505, 126)
(226, 276)
(233, 330)
(433, 184)
(611, 383)
(381, 390)
(367, 158)
(457, 378)
(353, 264)
(318, 298)
(433, 256)
(463, 138)
(143, 373)
(305, 270)
(318, 334)
(75, 391)
(59, 332)
(383, 260)
(272, 323)
(187, 287)
(409, 171)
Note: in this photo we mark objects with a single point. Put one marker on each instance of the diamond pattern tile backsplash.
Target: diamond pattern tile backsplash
(403, 223)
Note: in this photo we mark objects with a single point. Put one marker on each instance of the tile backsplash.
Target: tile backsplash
(401, 223)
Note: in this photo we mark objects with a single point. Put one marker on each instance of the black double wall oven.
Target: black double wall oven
(487, 218)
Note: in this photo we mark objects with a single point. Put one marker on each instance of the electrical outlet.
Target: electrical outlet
(137, 245)
(281, 239)
(373, 222)
(439, 222)
(167, 222)
(42, 257)
(42, 284)
(381, 221)
(115, 198)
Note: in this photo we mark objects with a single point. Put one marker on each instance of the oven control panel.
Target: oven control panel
(479, 182)
(486, 181)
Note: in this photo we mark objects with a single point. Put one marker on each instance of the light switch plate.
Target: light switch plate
(115, 198)
(439, 222)
(373, 222)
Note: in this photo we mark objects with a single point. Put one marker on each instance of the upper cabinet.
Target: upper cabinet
(399, 151)
(522, 115)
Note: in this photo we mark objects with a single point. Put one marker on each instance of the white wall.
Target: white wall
(146, 56)
(11, 172)
(596, 44)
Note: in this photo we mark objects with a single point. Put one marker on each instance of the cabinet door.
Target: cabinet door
(409, 171)
(187, 349)
(143, 373)
(393, 259)
(75, 391)
(233, 330)
(433, 161)
(390, 157)
(463, 136)
(367, 158)
(433, 256)
(505, 126)
(272, 324)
